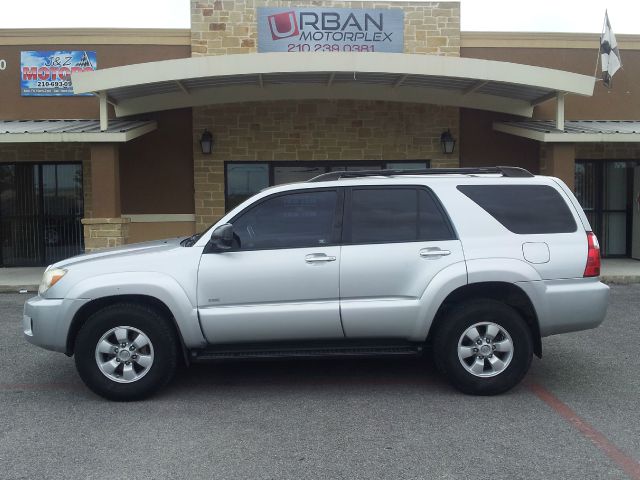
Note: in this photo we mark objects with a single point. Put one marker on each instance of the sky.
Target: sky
(514, 15)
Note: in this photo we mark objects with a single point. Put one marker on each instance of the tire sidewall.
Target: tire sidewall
(147, 321)
(470, 314)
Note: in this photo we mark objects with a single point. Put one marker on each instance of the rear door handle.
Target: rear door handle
(318, 258)
(434, 252)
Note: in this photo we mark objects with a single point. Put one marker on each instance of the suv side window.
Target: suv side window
(524, 209)
(290, 220)
(402, 214)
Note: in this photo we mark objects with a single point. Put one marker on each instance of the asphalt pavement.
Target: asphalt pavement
(575, 416)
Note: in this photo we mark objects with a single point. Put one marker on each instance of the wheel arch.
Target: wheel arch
(505, 292)
(97, 304)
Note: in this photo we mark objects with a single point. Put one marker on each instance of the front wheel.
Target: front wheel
(126, 352)
(484, 347)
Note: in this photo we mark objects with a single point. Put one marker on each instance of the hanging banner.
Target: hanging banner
(330, 30)
(48, 74)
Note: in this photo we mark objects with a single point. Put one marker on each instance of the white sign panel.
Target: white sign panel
(330, 30)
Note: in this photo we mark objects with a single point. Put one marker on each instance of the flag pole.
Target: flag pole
(604, 23)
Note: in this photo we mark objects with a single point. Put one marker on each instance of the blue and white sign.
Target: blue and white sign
(330, 30)
(48, 74)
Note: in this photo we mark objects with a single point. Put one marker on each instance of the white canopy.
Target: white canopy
(462, 82)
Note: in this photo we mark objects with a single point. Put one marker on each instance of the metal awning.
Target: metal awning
(462, 82)
(574, 130)
(34, 131)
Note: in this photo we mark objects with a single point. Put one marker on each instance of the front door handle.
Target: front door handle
(318, 258)
(434, 252)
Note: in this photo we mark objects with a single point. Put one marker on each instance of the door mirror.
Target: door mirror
(221, 238)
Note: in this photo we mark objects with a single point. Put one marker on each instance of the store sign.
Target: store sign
(48, 74)
(330, 30)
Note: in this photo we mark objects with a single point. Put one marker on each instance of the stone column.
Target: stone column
(559, 160)
(106, 228)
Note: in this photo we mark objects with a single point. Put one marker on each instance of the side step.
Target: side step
(228, 353)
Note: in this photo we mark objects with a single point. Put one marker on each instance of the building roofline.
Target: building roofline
(473, 39)
(95, 36)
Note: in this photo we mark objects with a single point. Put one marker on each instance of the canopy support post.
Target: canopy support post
(104, 111)
(560, 110)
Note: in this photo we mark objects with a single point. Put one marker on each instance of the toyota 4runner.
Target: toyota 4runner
(474, 266)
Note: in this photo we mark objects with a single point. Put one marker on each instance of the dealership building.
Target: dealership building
(109, 137)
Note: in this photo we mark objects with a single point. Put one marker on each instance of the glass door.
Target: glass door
(604, 189)
(41, 206)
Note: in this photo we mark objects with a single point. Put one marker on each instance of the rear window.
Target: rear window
(524, 209)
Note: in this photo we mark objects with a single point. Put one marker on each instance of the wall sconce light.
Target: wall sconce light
(206, 142)
(447, 141)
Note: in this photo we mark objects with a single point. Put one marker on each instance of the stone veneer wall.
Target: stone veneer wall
(223, 27)
(313, 130)
(102, 233)
(53, 152)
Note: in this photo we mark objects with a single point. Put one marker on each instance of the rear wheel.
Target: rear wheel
(483, 347)
(126, 352)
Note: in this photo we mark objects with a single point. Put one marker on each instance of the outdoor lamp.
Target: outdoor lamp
(206, 142)
(447, 141)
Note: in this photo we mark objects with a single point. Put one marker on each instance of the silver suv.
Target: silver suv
(474, 266)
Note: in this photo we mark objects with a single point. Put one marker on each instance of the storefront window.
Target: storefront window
(245, 179)
(604, 189)
(41, 206)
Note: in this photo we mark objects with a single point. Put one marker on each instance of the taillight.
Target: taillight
(593, 256)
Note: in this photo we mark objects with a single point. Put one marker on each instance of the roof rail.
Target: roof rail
(512, 172)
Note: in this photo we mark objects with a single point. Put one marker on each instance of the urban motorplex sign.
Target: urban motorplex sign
(330, 30)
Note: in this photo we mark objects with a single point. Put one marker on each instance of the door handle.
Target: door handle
(434, 253)
(318, 258)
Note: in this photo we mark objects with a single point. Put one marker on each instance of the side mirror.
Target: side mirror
(221, 238)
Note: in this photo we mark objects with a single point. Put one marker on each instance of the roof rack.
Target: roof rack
(513, 172)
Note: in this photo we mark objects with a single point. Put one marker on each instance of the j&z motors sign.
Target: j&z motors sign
(48, 73)
(330, 30)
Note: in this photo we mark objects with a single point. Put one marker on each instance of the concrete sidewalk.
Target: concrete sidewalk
(12, 280)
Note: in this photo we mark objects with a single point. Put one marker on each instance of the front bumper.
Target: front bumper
(46, 322)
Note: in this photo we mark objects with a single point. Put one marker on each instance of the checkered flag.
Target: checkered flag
(609, 54)
(84, 61)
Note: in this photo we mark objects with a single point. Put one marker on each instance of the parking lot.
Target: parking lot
(576, 415)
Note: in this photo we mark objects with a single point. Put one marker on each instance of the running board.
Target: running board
(306, 352)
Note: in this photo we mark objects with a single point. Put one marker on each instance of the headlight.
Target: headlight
(50, 278)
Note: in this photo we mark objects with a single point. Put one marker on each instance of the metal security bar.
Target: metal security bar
(41, 206)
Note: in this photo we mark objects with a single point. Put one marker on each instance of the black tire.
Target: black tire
(156, 327)
(453, 326)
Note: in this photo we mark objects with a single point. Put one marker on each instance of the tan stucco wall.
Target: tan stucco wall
(13, 106)
(313, 130)
(608, 151)
(558, 160)
(223, 27)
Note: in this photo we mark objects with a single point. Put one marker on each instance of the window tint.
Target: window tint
(524, 209)
(396, 215)
(288, 221)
